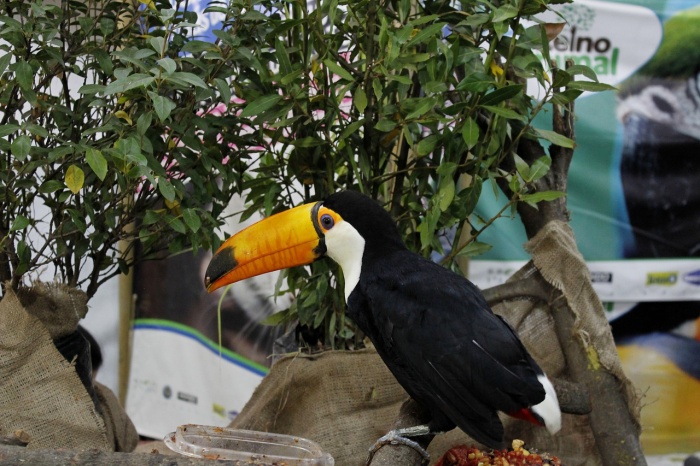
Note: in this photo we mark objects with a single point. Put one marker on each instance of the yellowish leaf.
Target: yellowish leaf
(496, 69)
(149, 3)
(124, 116)
(174, 206)
(75, 178)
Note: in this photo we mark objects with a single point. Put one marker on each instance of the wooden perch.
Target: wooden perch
(614, 427)
(410, 415)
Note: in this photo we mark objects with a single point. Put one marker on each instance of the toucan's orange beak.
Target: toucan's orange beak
(284, 240)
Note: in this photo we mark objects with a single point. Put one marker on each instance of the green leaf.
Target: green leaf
(476, 83)
(177, 225)
(167, 189)
(426, 145)
(590, 86)
(505, 112)
(157, 43)
(20, 147)
(539, 168)
(9, 128)
(502, 94)
(565, 97)
(475, 19)
(541, 196)
(51, 186)
(514, 184)
(168, 65)
(561, 79)
(385, 125)
(25, 255)
(470, 196)
(189, 78)
(582, 70)
(531, 38)
(24, 74)
(308, 141)
(474, 248)
(198, 46)
(282, 57)
(419, 107)
(224, 90)
(351, 128)
(446, 194)
(20, 223)
(152, 216)
(130, 82)
(144, 122)
(163, 106)
(75, 178)
(504, 13)
(104, 61)
(522, 167)
(191, 219)
(91, 89)
(501, 29)
(555, 138)
(360, 99)
(427, 33)
(97, 162)
(260, 105)
(335, 68)
(5, 62)
(470, 132)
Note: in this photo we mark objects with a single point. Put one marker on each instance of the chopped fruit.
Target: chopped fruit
(517, 456)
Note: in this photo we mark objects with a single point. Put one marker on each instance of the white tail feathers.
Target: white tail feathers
(548, 410)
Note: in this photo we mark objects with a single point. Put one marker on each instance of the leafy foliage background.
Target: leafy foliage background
(421, 105)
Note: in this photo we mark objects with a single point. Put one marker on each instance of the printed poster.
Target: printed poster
(634, 199)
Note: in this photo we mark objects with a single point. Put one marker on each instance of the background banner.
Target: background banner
(634, 198)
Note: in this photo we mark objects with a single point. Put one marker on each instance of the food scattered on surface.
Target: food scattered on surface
(464, 455)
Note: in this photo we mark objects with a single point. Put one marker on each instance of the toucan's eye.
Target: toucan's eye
(327, 221)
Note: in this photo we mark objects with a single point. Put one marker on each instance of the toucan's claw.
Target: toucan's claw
(396, 437)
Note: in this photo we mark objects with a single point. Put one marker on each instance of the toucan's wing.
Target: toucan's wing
(445, 346)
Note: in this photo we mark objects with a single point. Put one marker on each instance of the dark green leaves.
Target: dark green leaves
(97, 162)
(135, 139)
(415, 103)
(260, 105)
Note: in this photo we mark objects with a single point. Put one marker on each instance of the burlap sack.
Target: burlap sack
(40, 392)
(346, 400)
(120, 431)
(343, 400)
(58, 307)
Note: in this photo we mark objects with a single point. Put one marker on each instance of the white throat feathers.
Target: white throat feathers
(346, 246)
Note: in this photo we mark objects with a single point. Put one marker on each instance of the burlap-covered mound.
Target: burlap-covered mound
(346, 400)
(40, 392)
(343, 400)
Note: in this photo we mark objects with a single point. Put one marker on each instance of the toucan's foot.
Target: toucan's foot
(400, 437)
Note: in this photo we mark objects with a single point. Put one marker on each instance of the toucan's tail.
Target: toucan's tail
(547, 412)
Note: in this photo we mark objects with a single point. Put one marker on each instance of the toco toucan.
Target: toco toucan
(432, 327)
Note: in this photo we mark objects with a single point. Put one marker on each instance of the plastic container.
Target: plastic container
(250, 447)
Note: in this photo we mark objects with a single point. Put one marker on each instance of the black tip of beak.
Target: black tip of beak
(222, 263)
